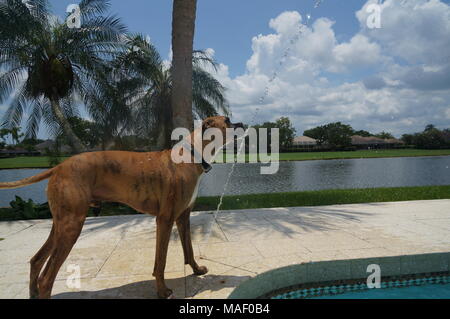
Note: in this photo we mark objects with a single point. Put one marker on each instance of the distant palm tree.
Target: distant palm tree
(135, 94)
(46, 65)
(108, 101)
(14, 132)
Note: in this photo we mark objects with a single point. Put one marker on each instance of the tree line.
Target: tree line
(430, 138)
(339, 135)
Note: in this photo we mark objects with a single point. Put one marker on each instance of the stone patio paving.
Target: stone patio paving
(116, 254)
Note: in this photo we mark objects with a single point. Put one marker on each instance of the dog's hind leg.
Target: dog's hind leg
(69, 208)
(183, 226)
(65, 237)
(37, 262)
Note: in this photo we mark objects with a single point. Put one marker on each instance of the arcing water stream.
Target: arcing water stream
(292, 41)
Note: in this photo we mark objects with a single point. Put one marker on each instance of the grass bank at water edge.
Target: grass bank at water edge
(27, 210)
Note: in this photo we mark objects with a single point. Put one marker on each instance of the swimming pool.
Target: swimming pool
(403, 276)
(431, 291)
(435, 287)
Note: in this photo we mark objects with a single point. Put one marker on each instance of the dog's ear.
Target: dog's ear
(207, 124)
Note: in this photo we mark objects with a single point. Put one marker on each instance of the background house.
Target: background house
(304, 142)
(372, 142)
(50, 145)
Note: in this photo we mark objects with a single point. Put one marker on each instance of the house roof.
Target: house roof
(49, 144)
(44, 145)
(304, 140)
(394, 141)
(362, 140)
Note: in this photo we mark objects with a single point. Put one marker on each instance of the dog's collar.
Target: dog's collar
(205, 165)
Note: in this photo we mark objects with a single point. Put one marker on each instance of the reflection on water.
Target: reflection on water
(292, 176)
(36, 191)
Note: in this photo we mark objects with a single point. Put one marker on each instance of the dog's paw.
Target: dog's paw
(34, 293)
(201, 270)
(165, 293)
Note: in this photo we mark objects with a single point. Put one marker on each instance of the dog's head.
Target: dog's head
(217, 123)
(221, 123)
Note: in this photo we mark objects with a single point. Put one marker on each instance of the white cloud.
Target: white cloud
(286, 23)
(414, 30)
(358, 52)
(390, 96)
(447, 113)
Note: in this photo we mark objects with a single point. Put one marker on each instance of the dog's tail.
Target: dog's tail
(28, 180)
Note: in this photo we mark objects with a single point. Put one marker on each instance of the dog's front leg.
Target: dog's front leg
(183, 225)
(163, 230)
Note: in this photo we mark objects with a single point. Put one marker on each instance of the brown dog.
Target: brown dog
(150, 182)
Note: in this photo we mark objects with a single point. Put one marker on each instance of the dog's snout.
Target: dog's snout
(238, 125)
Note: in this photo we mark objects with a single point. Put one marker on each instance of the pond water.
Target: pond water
(291, 176)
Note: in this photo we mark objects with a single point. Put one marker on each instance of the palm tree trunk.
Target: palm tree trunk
(161, 139)
(183, 26)
(74, 141)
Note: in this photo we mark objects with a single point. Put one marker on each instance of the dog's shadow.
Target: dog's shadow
(183, 287)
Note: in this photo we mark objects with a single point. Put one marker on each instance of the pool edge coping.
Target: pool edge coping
(334, 270)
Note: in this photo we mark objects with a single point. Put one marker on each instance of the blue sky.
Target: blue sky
(226, 26)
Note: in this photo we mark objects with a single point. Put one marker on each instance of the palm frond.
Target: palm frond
(202, 107)
(69, 106)
(101, 29)
(14, 113)
(205, 85)
(90, 8)
(141, 58)
(201, 58)
(38, 8)
(22, 21)
(35, 117)
(9, 81)
(49, 119)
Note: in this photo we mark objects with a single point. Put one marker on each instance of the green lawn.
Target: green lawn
(361, 154)
(325, 197)
(311, 198)
(26, 162)
(43, 162)
(307, 156)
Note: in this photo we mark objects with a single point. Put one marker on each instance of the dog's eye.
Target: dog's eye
(227, 120)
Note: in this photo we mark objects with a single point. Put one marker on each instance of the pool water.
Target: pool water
(405, 287)
(430, 291)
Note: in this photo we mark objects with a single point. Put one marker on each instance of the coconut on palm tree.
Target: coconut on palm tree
(46, 65)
